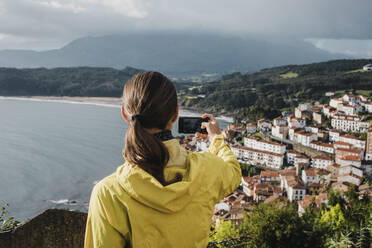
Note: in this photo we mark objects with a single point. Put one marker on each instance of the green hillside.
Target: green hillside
(252, 95)
(263, 93)
(75, 81)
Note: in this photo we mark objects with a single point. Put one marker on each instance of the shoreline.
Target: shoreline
(102, 101)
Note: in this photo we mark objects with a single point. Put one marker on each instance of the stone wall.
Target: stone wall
(54, 228)
(310, 151)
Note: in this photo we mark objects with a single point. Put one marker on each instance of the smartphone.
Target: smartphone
(191, 124)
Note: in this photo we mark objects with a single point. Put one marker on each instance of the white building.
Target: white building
(354, 141)
(315, 175)
(304, 138)
(328, 110)
(301, 159)
(260, 144)
(269, 176)
(295, 190)
(251, 128)
(350, 178)
(349, 123)
(350, 160)
(330, 93)
(296, 122)
(350, 109)
(321, 162)
(264, 158)
(264, 125)
(334, 135)
(350, 169)
(279, 121)
(311, 129)
(323, 147)
(368, 107)
(335, 102)
(342, 152)
(291, 155)
(305, 107)
(351, 99)
(280, 131)
(369, 145)
(367, 67)
(340, 144)
(202, 144)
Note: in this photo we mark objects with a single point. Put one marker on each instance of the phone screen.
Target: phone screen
(191, 124)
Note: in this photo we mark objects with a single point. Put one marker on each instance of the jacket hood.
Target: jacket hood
(144, 188)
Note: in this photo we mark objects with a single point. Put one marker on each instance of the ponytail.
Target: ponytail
(146, 151)
(151, 99)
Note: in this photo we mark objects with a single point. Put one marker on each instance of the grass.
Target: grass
(355, 71)
(289, 75)
(364, 92)
(340, 93)
(258, 134)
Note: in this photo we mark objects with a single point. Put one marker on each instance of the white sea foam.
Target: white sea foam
(64, 201)
(61, 201)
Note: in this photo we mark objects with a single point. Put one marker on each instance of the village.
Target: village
(299, 156)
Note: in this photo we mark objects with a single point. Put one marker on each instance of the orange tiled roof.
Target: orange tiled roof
(352, 158)
(266, 173)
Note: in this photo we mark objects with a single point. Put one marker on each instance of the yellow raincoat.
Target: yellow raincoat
(130, 208)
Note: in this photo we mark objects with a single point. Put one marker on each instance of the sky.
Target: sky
(339, 26)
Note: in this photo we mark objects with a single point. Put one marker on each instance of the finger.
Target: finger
(204, 125)
(210, 116)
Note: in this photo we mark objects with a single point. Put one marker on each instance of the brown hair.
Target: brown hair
(152, 99)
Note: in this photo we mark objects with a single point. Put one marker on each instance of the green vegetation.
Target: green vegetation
(250, 96)
(250, 170)
(7, 223)
(346, 222)
(356, 71)
(289, 75)
(78, 81)
(269, 91)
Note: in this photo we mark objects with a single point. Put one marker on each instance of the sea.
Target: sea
(52, 152)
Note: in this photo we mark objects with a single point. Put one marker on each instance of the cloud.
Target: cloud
(350, 47)
(64, 6)
(130, 8)
(63, 20)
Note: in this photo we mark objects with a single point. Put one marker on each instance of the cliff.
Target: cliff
(55, 228)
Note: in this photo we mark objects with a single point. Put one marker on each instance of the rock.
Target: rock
(54, 228)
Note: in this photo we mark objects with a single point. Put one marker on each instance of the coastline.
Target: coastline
(102, 101)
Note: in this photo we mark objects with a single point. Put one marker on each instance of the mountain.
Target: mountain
(263, 93)
(175, 54)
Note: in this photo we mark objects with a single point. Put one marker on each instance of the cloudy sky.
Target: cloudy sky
(335, 25)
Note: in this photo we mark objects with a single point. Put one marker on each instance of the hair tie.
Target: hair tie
(135, 117)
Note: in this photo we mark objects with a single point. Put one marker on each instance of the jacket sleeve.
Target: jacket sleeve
(230, 171)
(100, 232)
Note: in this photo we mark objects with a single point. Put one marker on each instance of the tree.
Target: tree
(224, 230)
(275, 225)
(334, 218)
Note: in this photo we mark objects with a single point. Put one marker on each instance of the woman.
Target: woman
(163, 196)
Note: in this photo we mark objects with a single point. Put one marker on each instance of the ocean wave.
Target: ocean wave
(63, 201)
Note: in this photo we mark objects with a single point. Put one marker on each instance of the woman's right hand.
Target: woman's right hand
(212, 126)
